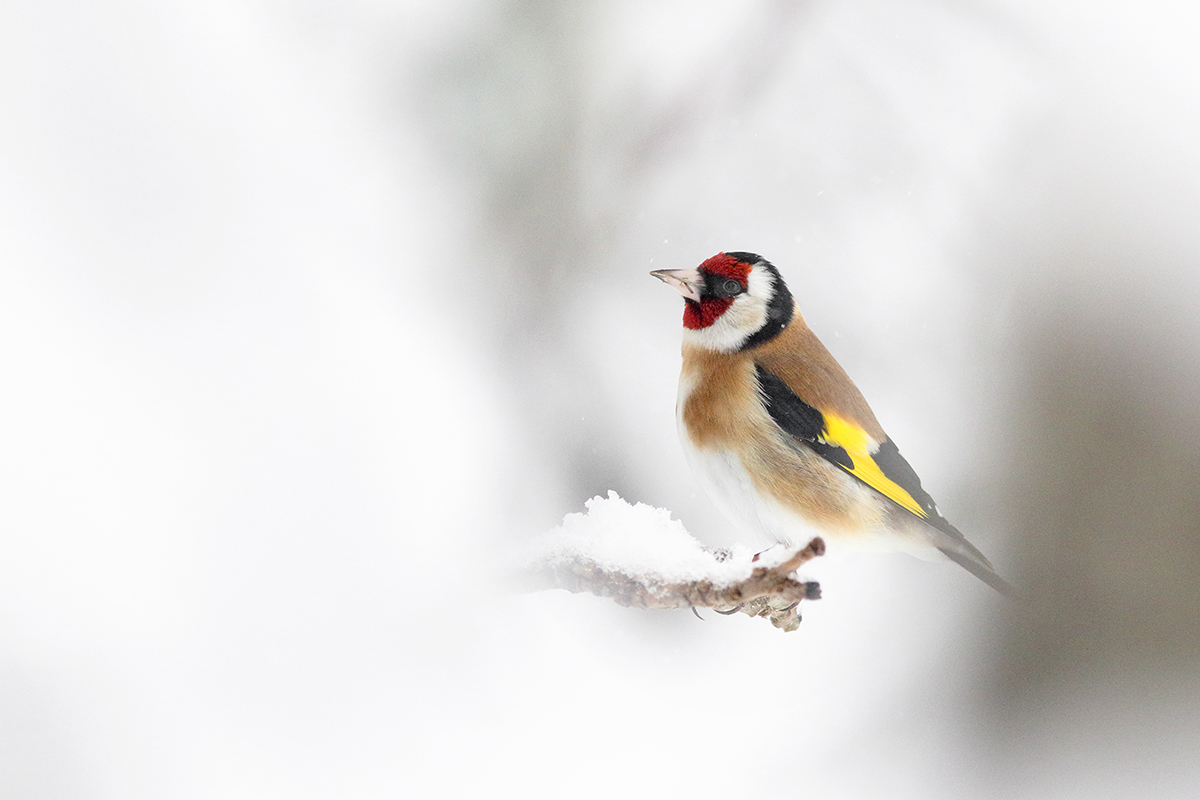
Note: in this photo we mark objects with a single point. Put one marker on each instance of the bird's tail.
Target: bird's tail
(967, 556)
(937, 531)
(955, 546)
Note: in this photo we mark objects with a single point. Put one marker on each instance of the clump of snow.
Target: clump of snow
(640, 540)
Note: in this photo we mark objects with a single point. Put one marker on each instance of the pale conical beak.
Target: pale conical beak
(686, 281)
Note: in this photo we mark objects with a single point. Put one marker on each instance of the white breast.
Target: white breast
(760, 520)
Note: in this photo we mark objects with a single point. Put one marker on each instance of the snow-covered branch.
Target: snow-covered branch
(640, 557)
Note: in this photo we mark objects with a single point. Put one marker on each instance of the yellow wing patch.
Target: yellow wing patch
(857, 444)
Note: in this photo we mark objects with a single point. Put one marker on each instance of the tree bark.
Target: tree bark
(772, 592)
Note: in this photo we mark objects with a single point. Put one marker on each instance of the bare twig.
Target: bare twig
(770, 591)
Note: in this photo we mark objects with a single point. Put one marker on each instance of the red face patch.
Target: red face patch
(727, 267)
(709, 309)
(705, 313)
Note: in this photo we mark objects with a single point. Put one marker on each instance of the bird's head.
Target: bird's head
(733, 301)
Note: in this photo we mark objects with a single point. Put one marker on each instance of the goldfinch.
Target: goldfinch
(779, 436)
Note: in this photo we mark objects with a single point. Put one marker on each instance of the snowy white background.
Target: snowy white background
(311, 312)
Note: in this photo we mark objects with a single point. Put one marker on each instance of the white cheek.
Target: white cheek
(741, 320)
(731, 330)
(760, 285)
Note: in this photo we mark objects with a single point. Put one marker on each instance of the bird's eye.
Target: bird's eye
(731, 287)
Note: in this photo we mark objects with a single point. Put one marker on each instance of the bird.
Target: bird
(778, 435)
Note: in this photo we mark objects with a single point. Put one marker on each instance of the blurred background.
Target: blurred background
(311, 313)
